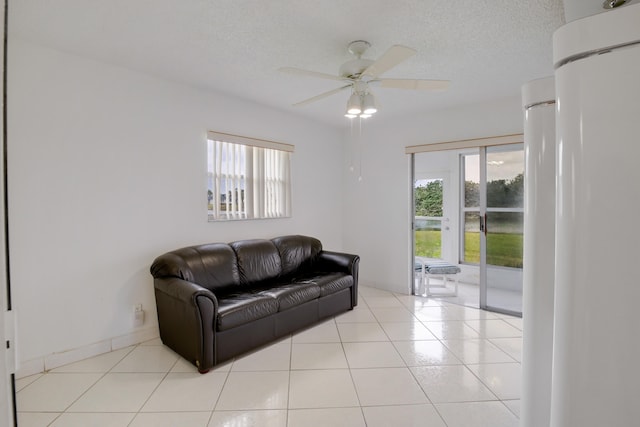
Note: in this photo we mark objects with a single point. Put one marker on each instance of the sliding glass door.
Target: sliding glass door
(470, 207)
(467, 209)
(503, 228)
(491, 213)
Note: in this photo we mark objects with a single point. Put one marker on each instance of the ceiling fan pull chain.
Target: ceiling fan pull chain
(361, 148)
(352, 146)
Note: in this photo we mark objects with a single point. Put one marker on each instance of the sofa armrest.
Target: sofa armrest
(332, 261)
(183, 290)
(186, 318)
(347, 263)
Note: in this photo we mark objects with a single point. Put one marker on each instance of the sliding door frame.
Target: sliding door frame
(480, 144)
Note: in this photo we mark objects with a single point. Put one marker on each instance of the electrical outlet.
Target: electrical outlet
(138, 315)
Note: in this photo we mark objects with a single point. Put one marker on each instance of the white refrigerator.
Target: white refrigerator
(539, 102)
(596, 343)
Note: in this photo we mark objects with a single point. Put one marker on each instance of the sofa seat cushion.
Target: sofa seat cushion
(329, 283)
(290, 295)
(238, 309)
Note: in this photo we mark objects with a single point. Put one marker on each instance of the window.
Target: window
(247, 178)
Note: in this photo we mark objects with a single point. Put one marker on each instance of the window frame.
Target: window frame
(264, 171)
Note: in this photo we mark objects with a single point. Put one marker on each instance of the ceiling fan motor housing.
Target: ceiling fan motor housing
(358, 47)
(354, 68)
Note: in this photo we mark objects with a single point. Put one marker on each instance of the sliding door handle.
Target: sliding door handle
(485, 224)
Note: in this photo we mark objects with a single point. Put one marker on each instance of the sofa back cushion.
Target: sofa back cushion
(213, 266)
(297, 252)
(258, 260)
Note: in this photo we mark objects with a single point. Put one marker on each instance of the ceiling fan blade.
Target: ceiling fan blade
(412, 84)
(301, 72)
(318, 97)
(392, 57)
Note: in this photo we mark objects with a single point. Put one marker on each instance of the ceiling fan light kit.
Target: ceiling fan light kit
(354, 104)
(369, 104)
(361, 105)
(358, 73)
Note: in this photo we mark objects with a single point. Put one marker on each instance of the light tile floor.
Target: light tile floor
(395, 360)
(469, 295)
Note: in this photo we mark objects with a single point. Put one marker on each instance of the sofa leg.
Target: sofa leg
(203, 371)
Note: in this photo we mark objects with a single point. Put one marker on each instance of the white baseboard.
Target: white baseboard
(134, 338)
(55, 360)
(30, 367)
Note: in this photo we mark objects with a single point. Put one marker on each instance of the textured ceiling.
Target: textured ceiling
(487, 48)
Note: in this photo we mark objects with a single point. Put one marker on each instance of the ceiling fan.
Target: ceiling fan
(359, 73)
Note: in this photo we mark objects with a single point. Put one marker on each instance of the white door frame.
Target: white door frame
(447, 246)
(7, 344)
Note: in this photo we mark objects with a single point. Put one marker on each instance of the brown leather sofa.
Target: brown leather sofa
(216, 301)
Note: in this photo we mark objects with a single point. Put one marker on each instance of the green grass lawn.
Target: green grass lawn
(504, 249)
(428, 243)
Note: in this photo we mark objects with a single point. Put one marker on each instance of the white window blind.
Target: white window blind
(248, 180)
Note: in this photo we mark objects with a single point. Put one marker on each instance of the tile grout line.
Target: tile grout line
(65, 410)
(416, 379)
(466, 365)
(286, 415)
(153, 391)
(217, 400)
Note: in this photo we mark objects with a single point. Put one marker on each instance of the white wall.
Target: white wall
(107, 170)
(377, 208)
(577, 9)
